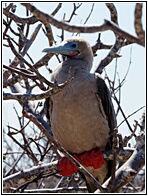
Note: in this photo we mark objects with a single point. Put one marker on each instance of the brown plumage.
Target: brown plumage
(82, 115)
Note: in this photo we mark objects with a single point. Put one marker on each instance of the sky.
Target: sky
(133, 91)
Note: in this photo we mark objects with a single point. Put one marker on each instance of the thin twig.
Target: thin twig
(130, 116)
(56, 9)
(39, 96)
(75, 7)
(22, 73)
(91, 11)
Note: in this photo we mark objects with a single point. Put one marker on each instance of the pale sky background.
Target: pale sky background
(133, 91)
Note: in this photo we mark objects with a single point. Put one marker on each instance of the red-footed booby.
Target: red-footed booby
(82, 115)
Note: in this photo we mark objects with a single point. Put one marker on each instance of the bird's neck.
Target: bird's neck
(76, 65)
(71, 68)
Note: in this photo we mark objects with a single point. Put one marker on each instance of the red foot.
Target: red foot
(93, 158)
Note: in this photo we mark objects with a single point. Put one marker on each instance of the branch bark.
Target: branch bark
(39, 96)
(44, 18)
(56, 190)
(43, 170)
(138, 24)
(130, 168)
(29, 175)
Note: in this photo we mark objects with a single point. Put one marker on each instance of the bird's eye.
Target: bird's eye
(74, 45)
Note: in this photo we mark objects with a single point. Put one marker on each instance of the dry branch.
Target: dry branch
(130, 168)
(29, 20)
(39, 96)
(55, 190)
(138, 24)
(113, 11)
(44, 170)
(29, 175)
(20, 58)
(44, 18)
(23, 73)
(118, 42)
(28, 44)
(56, 9)
(43, 61)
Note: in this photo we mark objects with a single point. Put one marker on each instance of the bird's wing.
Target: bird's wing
(104, 94)
(48, 109)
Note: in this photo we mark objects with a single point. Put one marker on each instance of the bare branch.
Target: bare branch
(57, 9)
(131, 115)
(7, 27)
(31, 40)
(15, 62)
(39, 96)
(119, 106)
(29, 20)
(138, 24)
(118, 43)
(13, 166)
(43, 61)
(110, 56)
(99, 45)
(55, 190)
(75, 7)
(49, 34)
(113, 11)
(127, 138)
(142, 123)
(29, 174)
(91, 11)
(129, 169)
(23, 73)
(20, 57)
(82, 28)
(43, 170)
(9, 7)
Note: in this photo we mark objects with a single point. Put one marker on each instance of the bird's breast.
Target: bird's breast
(78, 120)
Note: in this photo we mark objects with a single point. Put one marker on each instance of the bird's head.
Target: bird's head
(74, 48)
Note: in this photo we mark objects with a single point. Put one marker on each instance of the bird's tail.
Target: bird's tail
(91, 187)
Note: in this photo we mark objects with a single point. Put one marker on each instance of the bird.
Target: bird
(82, 114)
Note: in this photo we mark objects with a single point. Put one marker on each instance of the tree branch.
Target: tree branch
(43, 17)
(15, 62)
(138, 24)
(113, 11)
(39, 96)
(29, 20)
(118, 42)
(130, 168)
(57, 9)
(55, 190)
(44, 170)
(29, 174)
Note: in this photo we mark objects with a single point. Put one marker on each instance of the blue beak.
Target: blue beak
(65, 48)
